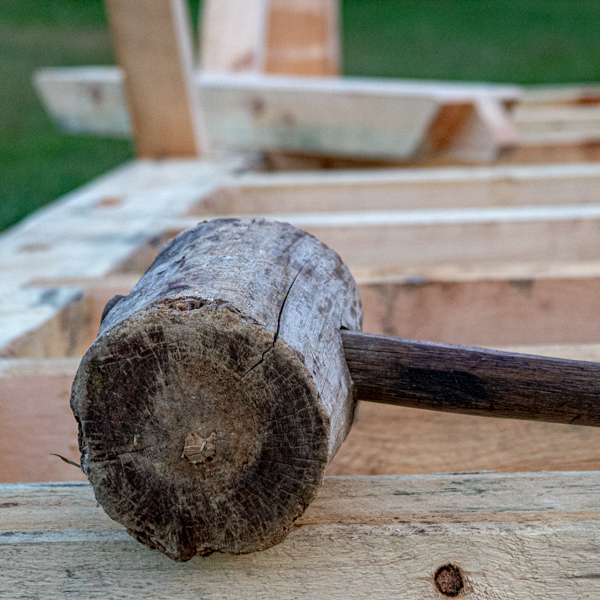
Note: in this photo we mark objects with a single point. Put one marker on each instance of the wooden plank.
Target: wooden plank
(485, 312)
(36, 420)
(233, 36)
(270, 36)
(110, 226)
(401, 189)
(154, 46)
(486, 133)
(517, 304)
(303, 38)
(468, 237)
(509, 536)
(353, 118)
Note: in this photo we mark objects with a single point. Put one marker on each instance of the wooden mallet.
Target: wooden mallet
(219, 389)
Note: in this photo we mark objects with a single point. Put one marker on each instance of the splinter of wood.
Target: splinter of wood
(217, 392)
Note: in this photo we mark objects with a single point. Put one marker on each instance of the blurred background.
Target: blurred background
(515, 41)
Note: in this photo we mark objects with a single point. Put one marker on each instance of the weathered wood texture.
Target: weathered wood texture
(352, 118)
(217, 391)
(472, 381)
(112, 226)
(510, 536)
(153, 43)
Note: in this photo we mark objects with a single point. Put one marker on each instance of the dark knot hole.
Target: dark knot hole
(448, 581)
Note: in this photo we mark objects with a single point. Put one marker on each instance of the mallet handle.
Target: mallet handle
(473, 381)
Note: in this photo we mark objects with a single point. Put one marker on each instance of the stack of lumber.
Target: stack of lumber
(492, 256)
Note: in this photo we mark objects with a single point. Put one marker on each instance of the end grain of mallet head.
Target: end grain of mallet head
(217, 392)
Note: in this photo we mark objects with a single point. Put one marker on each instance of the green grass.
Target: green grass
(521, 41)
(518, 41)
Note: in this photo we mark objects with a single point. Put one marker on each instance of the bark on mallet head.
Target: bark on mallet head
(217, 392)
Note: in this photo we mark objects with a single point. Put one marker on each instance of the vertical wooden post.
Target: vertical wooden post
(154, 46)
(232, 39)
(291, 37)
(303, 37)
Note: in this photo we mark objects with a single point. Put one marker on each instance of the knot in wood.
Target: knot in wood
(199, 450)
(449, 581)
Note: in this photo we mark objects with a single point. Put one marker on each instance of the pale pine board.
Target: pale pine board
(512, 536)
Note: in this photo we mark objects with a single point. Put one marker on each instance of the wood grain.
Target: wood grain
(511, 537)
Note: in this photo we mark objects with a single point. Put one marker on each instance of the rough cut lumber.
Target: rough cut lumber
(403, 189)
(217, 391)
(232, 38)
(270, 36)
(561, 115)
(303, 38)
(466, 237)
(485, 308)
(36, 421)
(113, 225)
(365, 119)
(153, 43)
(509, 536)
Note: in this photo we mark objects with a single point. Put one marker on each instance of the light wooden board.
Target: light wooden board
(36, 420)
(367, 119)
(303, 37)
(404, 189)
(272, 36)
(232, 36)
(559, 115)
(469, 237)
(533, 303)
(153, 43)
(113, 224)
(511, 536)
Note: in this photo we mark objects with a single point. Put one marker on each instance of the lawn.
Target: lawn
(521, 41)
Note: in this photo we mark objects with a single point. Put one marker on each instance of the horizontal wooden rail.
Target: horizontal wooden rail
(363, 119)
(487, 236)
(485, 535)
(404, 189)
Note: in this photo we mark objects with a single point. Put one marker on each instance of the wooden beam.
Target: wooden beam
(403, 189)
(384, 440)
(462, 237)
(153, 42)
(352, 118)
(233, 36)
(270, 36)
(522, 535)
(36, 420)
(303, 38)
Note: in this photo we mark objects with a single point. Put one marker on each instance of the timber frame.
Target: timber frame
(503, 255)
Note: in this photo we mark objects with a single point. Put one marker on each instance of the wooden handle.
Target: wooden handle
(473, 381)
